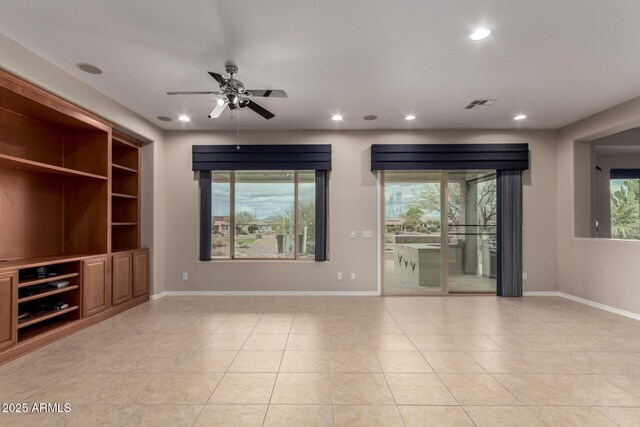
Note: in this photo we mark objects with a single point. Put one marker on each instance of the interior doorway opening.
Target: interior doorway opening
(423, 209)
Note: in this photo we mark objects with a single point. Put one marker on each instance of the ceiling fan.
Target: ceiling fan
(235, 95)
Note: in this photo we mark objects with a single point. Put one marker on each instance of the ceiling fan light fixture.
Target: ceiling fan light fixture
(233, 98)
(220, 101)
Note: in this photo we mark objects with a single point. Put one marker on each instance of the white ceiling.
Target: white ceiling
(555, 60)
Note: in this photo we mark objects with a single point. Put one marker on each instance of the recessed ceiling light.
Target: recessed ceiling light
(184, 118)
(520, 117)
(336, 117)
(480, 34)
(370, 117)
(88, 68)
(410, 117)
(164, 118)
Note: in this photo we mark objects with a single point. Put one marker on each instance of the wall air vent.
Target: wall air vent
(480, 103)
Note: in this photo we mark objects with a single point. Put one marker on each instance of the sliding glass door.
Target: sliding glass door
(423, 209)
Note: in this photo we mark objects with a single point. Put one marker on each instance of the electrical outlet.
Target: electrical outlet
(524, 276)
(353, 276)
(353, 234)
(339, 276)
(185, 276)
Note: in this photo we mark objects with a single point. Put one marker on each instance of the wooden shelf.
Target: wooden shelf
(124, 223)
(46, 293)
(17, 163)
(42, 261)
(44, 316)
(125, 196)
(47, 280)
(123, 168)
(40, 329)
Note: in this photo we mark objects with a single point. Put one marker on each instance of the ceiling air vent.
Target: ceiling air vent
(480, 103)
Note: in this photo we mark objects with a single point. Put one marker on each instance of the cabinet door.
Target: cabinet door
(8, 309)
(94, 286)
(140, 273)
(121, 278)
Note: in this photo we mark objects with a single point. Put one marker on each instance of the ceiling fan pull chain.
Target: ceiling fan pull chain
(238, 131)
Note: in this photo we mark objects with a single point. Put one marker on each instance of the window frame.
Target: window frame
(232, 212)
(619, 174)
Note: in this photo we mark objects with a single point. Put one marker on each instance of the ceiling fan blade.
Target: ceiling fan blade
(268, 93)
(196, 92)
(219, 78)
(260, 110)
(218, 109)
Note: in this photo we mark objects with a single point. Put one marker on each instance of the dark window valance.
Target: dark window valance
(449, 156)
(262, 157)
(625, 173)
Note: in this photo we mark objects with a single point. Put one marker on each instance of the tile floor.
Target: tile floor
(343, 361)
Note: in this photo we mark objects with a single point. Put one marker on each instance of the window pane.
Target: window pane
(306, 214)
(220, 206)
(625, 209)
(264, 214)
(414, 233)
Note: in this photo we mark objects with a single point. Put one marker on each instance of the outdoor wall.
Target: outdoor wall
(353, 206)
(23, 63)
(605, 271)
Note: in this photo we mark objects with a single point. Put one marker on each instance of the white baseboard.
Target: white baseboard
(584, 301)
(266, 293)
(541, 294)
(604, 307)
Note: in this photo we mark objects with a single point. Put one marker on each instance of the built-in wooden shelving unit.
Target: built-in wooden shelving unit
(69, 197)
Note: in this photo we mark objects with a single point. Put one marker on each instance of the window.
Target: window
(263, 214)
(625, 203)
(263, 201)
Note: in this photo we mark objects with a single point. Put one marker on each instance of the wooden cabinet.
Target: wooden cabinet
(8, 309)
(140, 273)
(122, 271)
(94, 286)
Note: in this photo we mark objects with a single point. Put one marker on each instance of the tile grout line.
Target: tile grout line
(275, 382)
(384, 374)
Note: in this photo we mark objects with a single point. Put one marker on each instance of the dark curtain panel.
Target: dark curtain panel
(509, 233)
(204, 178)
(321, 215)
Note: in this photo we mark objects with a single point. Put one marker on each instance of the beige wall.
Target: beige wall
(353, 206)
(27, 65)
(601, 270)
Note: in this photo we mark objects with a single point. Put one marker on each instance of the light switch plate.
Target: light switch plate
(353, 234)
(367, 234)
